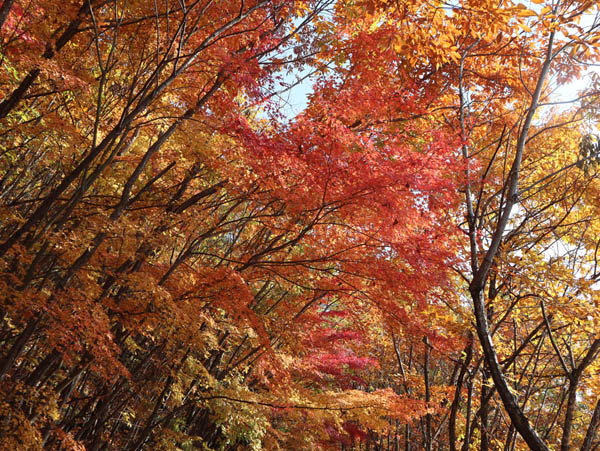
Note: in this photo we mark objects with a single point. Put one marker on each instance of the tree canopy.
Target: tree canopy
(411, 261)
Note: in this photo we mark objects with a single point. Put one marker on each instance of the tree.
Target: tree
(492, 225)
(161, 264)
(183, 266)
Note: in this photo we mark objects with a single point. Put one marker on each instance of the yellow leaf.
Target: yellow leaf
(526, 13)
(455, 55)
(525, 27)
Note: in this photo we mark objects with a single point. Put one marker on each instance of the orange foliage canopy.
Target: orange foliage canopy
(183, 265)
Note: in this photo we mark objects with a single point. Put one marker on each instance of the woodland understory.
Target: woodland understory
(299, 225)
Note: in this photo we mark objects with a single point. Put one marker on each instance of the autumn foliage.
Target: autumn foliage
(409, 261)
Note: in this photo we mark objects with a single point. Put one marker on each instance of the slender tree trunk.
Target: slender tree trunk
(592, 429)
(4, 11)
(509, 438)
(18, 345)
(457, 395)
(574, 379)
(481, 267)
(509, 400)
(484, 446)
(570, 408)
(467, 440)
(427, 396)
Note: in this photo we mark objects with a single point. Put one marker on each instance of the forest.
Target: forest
(351, 225)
